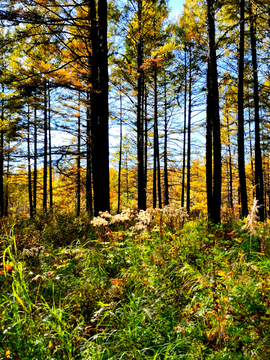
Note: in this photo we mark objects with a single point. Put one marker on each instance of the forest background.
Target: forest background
(54, 154)
(184, 103)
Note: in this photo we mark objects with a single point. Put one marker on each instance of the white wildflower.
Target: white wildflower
(124, 216)
(251, 221)
(98, 221)
(174, 213)
(105, 215)
(144, 220)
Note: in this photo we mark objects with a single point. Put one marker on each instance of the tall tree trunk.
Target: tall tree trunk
(241, 147)
(213, 144)
(230, 177)
(127, 180)
(145, 137)
(140, 147)
(159, 174)
(185, 128)
(99, 106)
(50, 151)
(166, 182)
(251, 152)
(189, 133)
(229, 173)
(29, 163)
(90, 98)
(155, 142)
(45, 159)
(103, 180)
(89, 197)
(35, 160)
(156, 167)
(2, 210)
(268, 185)
(7, 187)
(144, 131)
(78, 200)
(120, 154)
(258, 156)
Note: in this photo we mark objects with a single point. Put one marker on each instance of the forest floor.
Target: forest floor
(153, 286)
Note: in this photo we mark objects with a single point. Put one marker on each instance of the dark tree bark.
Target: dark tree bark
(251, 152)
(213, 144)
(268, 186)
(145, 137)
(159, 173)
(189, 133)
(258, 156)
(229, 166)
(45, 149)
(166, 181)
(140, 145)
(127, 179)
(102, 184)
(2, 210)
(155, 142)
(78, 192)
(156, 167)
(29, 164)
(89, 196)
(7, 187)
(99, 106)
(50, 151)
(35, 160)
(144, 131)
(185, 128)
(231, 178)
(120, 153)
(241, 145)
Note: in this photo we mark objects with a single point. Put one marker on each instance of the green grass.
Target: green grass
(176, 290)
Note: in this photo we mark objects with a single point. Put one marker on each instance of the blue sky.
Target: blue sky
(176, 6)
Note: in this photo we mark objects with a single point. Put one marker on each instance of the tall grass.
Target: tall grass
(169, 288)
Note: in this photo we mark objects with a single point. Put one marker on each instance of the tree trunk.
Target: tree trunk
(155, 142)
(127, 180)
(258, 156)
(29, 164)
(159, 174)
(185, 126)
(35, 161)
(120, 154)
(213, 144)
(229, 172)
(2, 159)
(189, 133)
(241, 147)
(103, 180)
(268, 186)
(78, 204)
(251, 152)
(7, 187)
(99, 107)
(145, 137)
(166, 182)
(50, 151)
(140, 147)
(89, 197)
(45, 160)
(156, 167)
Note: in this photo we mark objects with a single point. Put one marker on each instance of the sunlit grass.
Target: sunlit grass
(170, 288)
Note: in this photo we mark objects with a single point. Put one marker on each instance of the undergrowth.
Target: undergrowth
(149, 286)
